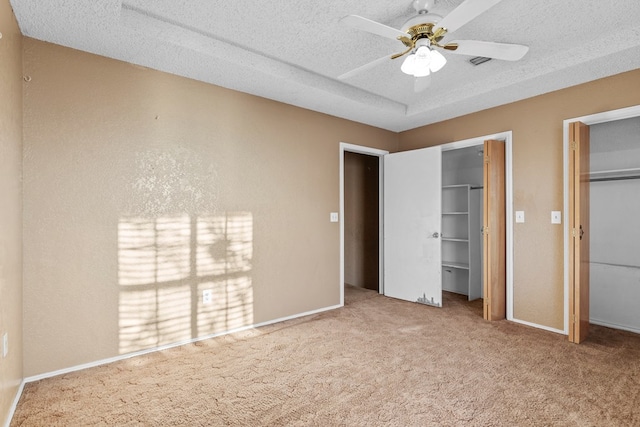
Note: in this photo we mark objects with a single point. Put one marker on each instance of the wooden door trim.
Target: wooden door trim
(571, 222)
(494, 231)
(578, 219)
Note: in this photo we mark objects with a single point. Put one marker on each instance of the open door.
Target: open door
(578, 232)
(494, 232)
(412, 219)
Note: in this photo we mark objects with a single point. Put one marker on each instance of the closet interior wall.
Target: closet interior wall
(615, 236)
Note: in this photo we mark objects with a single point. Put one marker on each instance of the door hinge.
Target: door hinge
(485, 231)
(487, 159)
(573, 232)
(574, 145)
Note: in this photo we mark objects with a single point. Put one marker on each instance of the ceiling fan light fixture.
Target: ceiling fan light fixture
(415, 65)
(409, 64)
(423, 62)
(437, 61)
(421, 72)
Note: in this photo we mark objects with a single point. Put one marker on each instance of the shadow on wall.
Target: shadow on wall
(164, 266)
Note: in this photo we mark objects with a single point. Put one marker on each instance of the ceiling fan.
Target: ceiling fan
(422, 37)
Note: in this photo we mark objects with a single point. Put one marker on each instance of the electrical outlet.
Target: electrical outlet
(333, 217)
(207, 296)
(5, 344)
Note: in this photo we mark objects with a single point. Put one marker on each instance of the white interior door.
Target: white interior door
(412, 219)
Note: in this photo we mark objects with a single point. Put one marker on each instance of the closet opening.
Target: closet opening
(614, 209)
(462, 219)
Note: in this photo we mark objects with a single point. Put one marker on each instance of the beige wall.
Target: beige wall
(143, 189)
(11, 211)
(537, 179)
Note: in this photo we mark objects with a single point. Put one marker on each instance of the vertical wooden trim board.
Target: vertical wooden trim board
(578, 232)
(494, 231)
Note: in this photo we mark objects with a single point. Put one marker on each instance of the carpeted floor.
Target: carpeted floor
(377, 361)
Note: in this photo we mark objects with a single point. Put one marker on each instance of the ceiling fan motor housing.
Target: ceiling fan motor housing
(421, 31)
(422, 6)
(421, 19)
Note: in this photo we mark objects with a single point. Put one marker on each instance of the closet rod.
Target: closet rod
(615, 265)
(614, 178)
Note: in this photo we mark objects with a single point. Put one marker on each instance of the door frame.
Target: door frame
(592, 119)
(505, 136)
(359, 149)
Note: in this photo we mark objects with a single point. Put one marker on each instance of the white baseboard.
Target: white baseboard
(168, 346)
(614, 325)
(14, 405)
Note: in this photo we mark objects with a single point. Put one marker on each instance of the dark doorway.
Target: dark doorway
(361, 220)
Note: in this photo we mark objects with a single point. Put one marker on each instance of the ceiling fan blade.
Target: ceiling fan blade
(464, 13)
(421, 83)
(503, 51)
(362, 68)
(373, 27)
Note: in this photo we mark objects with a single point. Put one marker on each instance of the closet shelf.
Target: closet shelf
(461, 247)
(452, 264)
(472, 186)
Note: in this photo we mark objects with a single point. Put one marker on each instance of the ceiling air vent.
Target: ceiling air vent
(479, 60)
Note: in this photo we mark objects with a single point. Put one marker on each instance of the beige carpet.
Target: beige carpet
(377, 361)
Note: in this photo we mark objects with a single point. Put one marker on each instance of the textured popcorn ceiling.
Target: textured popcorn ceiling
(293, 51)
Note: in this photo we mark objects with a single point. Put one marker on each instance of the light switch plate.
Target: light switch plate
(333, 217)
(519, 216)
(556, 217)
